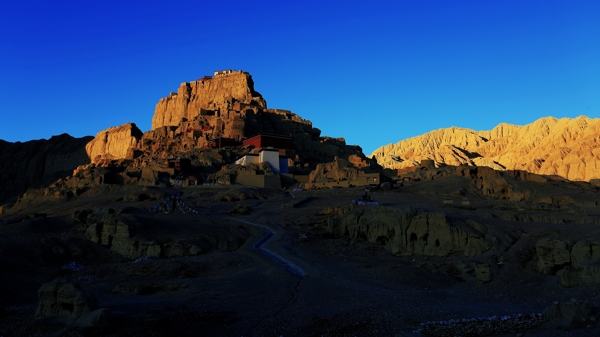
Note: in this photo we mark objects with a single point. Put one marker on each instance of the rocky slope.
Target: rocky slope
(32, 163)
(566, 147)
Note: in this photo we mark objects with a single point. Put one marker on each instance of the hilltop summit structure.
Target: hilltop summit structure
(209, 96)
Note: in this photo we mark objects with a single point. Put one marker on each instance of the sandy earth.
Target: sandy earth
(354, 288)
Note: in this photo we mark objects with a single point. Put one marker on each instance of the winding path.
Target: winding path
(290, 266)
(287, 264)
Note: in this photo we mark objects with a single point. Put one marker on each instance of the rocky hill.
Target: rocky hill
(221, 106)
(567, 147)
(27, 164)
(185, 124)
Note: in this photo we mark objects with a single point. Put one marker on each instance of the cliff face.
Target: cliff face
(35, 162)
(568, 147)
(113, 142)
(215, 95)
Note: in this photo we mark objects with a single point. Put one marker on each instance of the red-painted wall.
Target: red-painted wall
(260, 141)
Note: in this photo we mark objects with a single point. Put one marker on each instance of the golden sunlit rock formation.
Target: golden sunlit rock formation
(223, 106)
(567, 147)
(114, 142)
(213, 95)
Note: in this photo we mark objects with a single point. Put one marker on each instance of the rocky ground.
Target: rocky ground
(102, 264)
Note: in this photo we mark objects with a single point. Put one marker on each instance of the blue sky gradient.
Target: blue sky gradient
(372, 73)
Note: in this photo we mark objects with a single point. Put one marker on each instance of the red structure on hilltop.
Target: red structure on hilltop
(266, 140)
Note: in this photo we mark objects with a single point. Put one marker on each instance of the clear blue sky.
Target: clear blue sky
(372, 73)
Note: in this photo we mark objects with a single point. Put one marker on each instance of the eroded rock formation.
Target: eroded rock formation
(114, 142)
(123, 234)
(62, 299)
(507, 185)
(565, 147)
(575, 263)
(409, 231)
(338, 170)
(567, 315)
(208, 96)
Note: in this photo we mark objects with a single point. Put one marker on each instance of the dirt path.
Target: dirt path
(287, 264)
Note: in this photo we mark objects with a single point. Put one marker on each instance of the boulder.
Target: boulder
(114, 233)
(552, 255)
(583, 275)
(575, 265)
(240, 209)
(66, 300)
(584, 252)
(483, 273)
(337, 170)
(585, 265)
